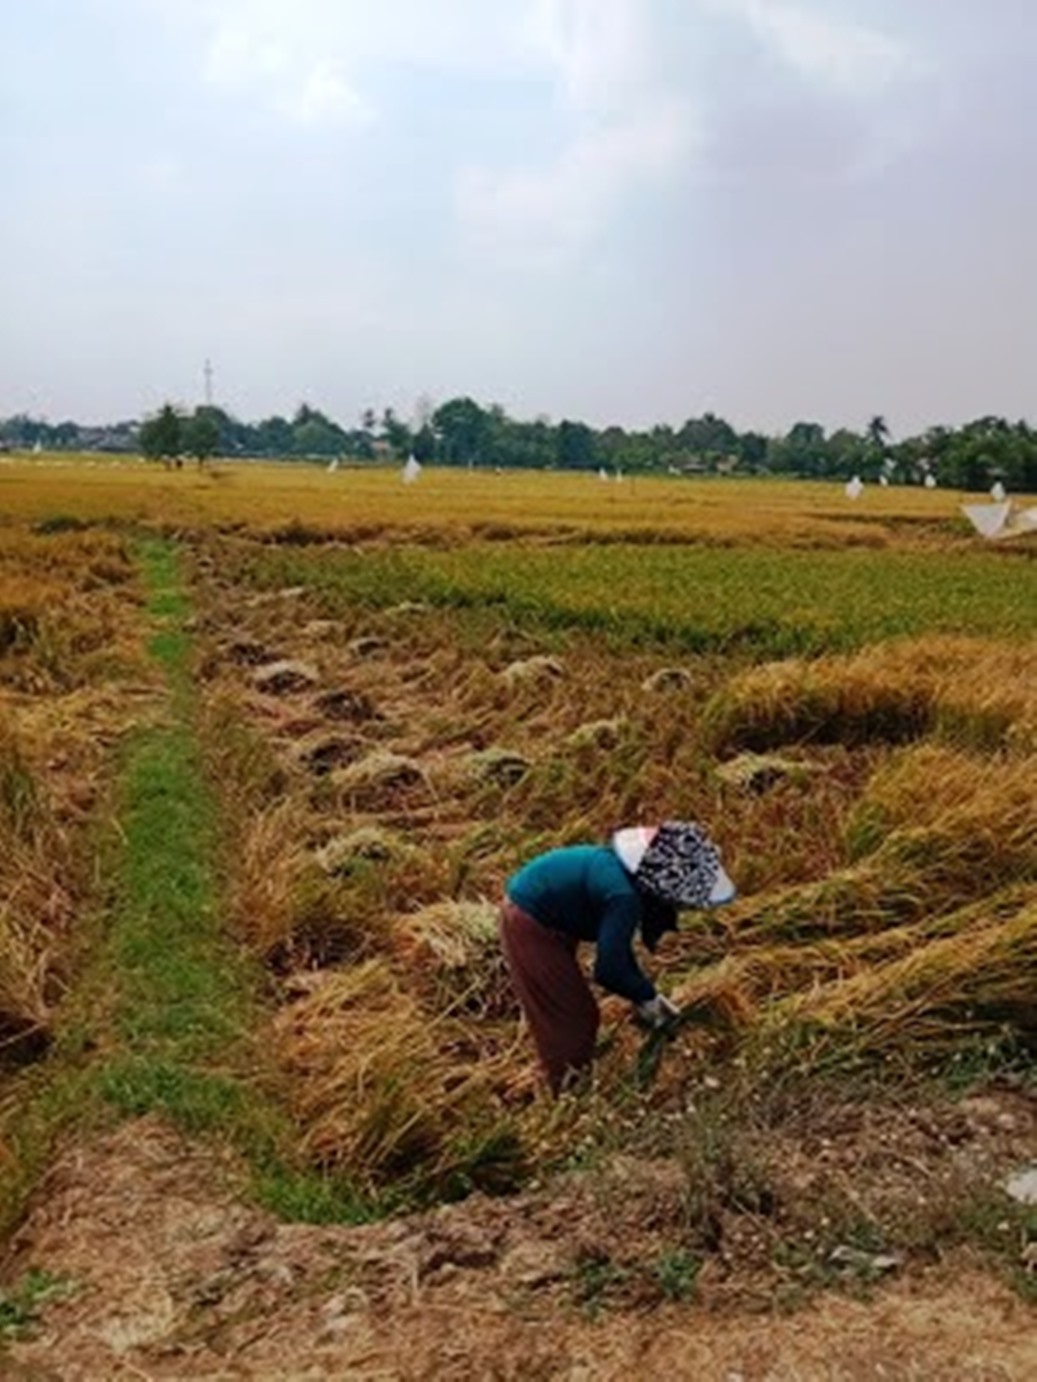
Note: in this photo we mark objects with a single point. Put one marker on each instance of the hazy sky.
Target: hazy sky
(621, 210)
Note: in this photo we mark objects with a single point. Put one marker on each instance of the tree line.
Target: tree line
(461, 432)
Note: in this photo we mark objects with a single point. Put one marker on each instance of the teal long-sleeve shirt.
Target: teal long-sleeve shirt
(584, 891)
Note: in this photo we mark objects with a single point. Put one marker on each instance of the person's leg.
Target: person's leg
(555, 997)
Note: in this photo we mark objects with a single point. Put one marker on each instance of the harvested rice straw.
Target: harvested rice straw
(972, 983)
(26, 955)
(271, 865)
(766, 973)
(916, 872)
(373, 1090)
(982, 688)
(930, 783)
(855, 901)
(453, 957)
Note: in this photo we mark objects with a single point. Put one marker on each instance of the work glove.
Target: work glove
(657, 1013)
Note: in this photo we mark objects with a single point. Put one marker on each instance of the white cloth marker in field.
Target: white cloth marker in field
(411, 470)
(995, 521)
(854, 488)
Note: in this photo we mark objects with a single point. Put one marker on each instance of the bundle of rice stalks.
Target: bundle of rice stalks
(376, 1095)
(320, 753)
(838, 700)
(269, 868)
(854, 901)
(981, 691)
(762, 974)
(537, 671)
(599, 734)
(367, 844)
(454, 960)
(498, 766)
(987, 804)
(977, 983)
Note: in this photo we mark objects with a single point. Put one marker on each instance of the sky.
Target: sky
(625, 211)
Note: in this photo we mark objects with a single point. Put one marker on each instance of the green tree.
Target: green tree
(273, 436)
(878, 432)
(753, 450)
(161, 436)
(804, 450)
(200, 434)
(314, 434)
(396, 433)
(461, 429)
(708, 437)
(577, 446)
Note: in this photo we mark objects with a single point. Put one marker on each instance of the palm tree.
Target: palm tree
(878, 432)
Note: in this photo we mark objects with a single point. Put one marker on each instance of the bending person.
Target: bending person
(607, 895)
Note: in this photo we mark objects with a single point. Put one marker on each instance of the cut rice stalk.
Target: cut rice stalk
(928, 1002)
(454, 959)
(376, 1094)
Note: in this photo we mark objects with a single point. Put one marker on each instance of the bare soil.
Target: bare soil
(172, 1274)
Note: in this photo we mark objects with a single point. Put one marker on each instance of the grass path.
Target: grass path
(189, 1009)
(167, 1013)
(185, 993)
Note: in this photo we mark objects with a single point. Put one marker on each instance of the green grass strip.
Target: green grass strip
(188, 1009)
(165, 1015)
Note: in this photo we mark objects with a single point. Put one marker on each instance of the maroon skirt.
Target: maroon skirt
(553, 991)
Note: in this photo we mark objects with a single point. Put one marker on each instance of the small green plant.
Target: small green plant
(676, 1272)
(20, 1306)
(595, 1277)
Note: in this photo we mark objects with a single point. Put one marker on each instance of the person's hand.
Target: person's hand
(657, 1013)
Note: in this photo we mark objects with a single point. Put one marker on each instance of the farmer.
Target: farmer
(606, 894)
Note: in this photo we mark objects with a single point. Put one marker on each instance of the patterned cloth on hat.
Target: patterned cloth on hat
(680, 866)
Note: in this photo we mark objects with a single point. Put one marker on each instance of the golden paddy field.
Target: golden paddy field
(383, 698)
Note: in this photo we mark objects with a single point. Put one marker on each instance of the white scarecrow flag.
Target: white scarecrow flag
(411, 470)
(930, 481)
(854, 488)
(997, 492)
(332, 466)
(603, 474)
(997, 521)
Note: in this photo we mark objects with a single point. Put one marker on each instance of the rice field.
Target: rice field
(401, 694)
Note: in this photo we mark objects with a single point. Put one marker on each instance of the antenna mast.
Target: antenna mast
(208, 383)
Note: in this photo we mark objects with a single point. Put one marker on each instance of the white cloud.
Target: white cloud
(247, 39)
(537, 216)
(263, 56)
(325, 96)
(837, 53)
(623, 129)
(599, 49)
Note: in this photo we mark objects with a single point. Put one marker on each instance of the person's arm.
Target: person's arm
(615, 968)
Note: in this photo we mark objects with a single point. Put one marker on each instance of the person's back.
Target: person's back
(572, 889)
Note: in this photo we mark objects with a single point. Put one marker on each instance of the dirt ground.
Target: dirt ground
(171, 1274)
